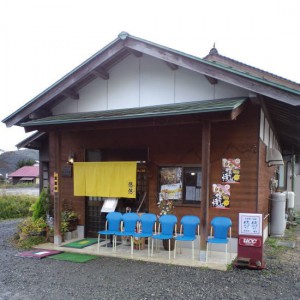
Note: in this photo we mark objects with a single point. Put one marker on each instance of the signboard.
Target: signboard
(66, 171)
(250, 241)
(55, 182)
(250, 224)
(109, 205)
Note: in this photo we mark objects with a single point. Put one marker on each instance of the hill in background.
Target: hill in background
(9, 159)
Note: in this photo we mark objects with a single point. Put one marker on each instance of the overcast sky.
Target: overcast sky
(41, 41)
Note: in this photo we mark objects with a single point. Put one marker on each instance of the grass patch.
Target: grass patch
(74, 257)
(229, 267)
(272, 248)
(272, 242)
(15, 206)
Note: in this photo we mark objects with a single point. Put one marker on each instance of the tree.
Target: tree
(25, 162)
(41, 206)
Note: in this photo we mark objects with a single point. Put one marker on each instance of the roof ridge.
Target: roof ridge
(216, 53)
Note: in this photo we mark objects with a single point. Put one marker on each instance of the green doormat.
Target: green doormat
(82, 243)
(73, 257)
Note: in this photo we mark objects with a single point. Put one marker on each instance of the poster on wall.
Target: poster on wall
(171, 182)
(221, 196)
(231, 168)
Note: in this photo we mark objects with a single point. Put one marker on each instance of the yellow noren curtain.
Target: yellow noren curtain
(105, 179)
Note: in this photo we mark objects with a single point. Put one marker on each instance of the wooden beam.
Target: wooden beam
(205, 162)
(135, 53)
(101, 73)
(70, 93)
(173, 67)
(211, 80)
(237, 111)
(39, 113)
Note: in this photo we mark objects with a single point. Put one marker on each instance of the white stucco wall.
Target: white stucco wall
(145, 81)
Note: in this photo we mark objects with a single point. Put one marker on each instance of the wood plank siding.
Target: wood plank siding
(173, 144)
(237, 139)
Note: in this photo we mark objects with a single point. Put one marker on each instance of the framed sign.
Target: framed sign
(66, 171)
(250, 224)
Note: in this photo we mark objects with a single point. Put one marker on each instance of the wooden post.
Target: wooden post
(55, 144)
(206, 136)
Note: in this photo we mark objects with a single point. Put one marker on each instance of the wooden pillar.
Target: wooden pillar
(206, 136)
(55, 148)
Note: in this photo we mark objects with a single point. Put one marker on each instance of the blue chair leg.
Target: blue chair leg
(175, 244)
(131, 245)
(149, 240)
(193, 250)
(206, 251)
(98, 243)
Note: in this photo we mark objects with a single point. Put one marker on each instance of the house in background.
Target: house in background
(215, 133)
(26, 174)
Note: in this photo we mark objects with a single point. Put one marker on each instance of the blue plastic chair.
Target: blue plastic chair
(128, 228)
(167, 224)
(219, 233)
(147, 224)
(112, 225)
(189, 232)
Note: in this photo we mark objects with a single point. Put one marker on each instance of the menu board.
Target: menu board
(250, 224)
(109, 205)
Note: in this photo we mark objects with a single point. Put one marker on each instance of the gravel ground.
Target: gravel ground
(109, 278)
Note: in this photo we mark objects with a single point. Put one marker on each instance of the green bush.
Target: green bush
(15, 206)
(32, 227)
(41, 205)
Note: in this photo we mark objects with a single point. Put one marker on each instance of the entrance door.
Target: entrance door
(95, 221)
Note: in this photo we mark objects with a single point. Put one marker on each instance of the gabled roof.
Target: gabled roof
(32, 142)
(280, 96)
(26, 171)
(99, 65)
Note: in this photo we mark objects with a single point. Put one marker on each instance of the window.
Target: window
(191, 185)
(181, 184)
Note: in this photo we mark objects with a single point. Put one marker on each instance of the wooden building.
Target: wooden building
(26, 174)
(216, 129)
